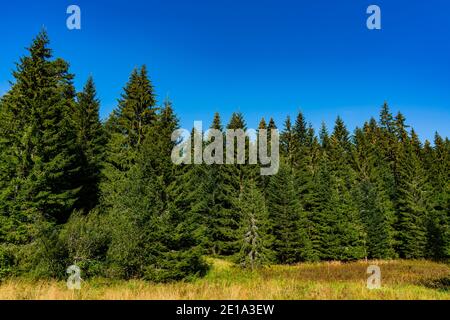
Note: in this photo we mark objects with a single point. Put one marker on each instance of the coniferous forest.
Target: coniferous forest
(107, 197)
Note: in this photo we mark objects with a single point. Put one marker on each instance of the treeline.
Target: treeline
(106, 196)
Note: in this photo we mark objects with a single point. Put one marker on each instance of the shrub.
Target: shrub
(85, 242)
(7, 262)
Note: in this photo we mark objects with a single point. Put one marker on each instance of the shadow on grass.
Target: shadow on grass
(442, 284)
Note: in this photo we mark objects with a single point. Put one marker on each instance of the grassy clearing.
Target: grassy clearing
(400, 280)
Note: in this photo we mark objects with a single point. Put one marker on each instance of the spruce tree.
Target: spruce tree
(175, 231)
(200, 192)
(40, 141)
(287, 142)
(234, 176)
(412, 205)
(126, 197)
(388, 144)
(324, 137)
(254, 239)
(438, 221)
(321, 222)
(288, 222)
(126, 129)
(301, 129)
(343, 233)
(375, 206)
(92, 140)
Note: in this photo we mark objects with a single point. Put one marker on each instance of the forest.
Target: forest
(106, 196)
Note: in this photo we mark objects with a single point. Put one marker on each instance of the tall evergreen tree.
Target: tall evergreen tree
(234, 177)
(287, 142)
(342, 235)
(212, 193)
(126, 129)
(288, 222)
(40, 141)
(255, 241)
(92, 141)
(438, 221)
(125, 193)
(412, 206)
(375, 206)
(324, 136)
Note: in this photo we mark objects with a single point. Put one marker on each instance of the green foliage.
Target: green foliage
(288, 224)
(150, 237)
(255, 240)
(91, 139)
(85, 239)
(109, 199)
(375, 206)
(7, 262)
(42, 164)
(127, 128)
(45, 256)
(412, 207)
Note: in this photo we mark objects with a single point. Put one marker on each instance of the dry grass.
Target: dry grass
(400, 280)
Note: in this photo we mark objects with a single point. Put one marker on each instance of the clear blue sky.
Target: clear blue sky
(263, 58)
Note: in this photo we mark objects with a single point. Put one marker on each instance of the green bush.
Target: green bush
(85, 241)
(82, 241)
(176, 266)
(43, 256)
(7, 262)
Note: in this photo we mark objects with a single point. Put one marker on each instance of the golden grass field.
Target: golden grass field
(400, 280)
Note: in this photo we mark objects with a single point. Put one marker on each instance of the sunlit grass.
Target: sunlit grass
(400, 280)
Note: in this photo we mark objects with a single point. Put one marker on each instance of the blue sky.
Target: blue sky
(263, 58)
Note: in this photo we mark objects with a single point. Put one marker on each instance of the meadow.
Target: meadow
(416, 279)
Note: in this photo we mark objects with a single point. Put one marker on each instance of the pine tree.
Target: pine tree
(11, 230)
(388, 144)
(43, 160)
(156, 152)
(92, 141)
(400, 128)
(375, 207)
(200, 192)
(438, 220)
(343, 233)
(232, 178)
(262, 124)
(386, 119)
(176, 230)
(255, 241)
(152, 238)
(126, 130)
(126, 196)
(190, 198)
(299, 150)
(412, 205)
(324, 137)
(271, 125)
(321, 222)
(341, 136)
(301, 129)
(287, 142)
(288, 223)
